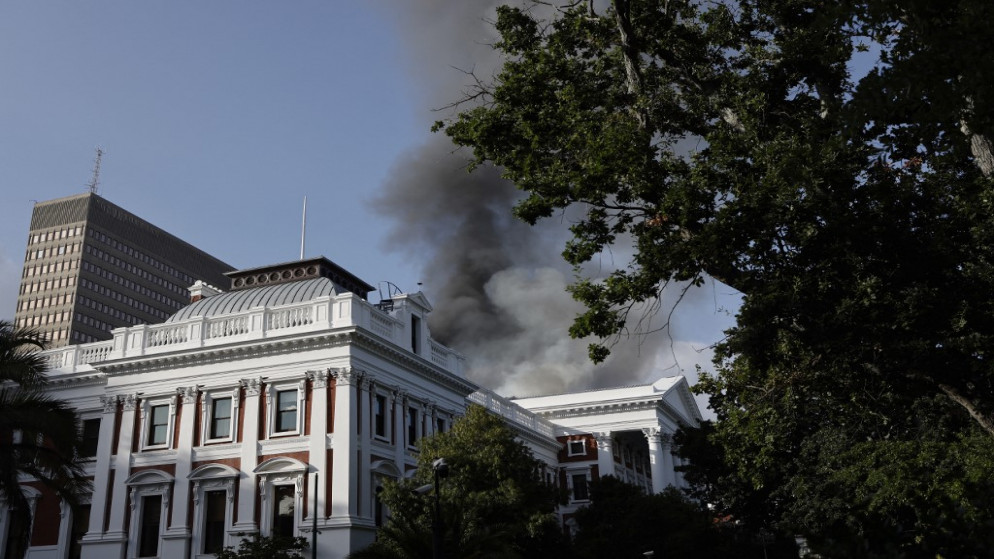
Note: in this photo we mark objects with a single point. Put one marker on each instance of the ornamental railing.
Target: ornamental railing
(325, 313)
(512, 412)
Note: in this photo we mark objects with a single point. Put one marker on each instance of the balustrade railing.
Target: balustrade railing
(332, 312)
(512, 412)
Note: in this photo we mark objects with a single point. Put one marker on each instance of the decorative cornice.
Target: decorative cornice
(73, 381)
(416, 364)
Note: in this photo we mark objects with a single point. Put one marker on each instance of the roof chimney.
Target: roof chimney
(201, 290)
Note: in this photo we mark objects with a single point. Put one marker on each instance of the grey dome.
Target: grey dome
(268, 296)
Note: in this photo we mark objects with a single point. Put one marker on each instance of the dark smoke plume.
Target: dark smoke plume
(497, 284)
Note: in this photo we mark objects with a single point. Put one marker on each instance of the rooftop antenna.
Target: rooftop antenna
(303, 229)
(95, 180)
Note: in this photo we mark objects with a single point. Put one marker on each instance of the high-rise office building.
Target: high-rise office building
(91, 266)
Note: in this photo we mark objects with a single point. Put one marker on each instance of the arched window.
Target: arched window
(213, 506)
(150, 491)
(381, 470)
(281, 491)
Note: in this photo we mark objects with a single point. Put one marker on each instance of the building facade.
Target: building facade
(282, 404)
(91, 266)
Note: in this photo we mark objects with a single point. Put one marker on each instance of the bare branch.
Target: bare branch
(955, 395)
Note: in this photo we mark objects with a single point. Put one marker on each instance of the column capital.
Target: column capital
(346, 376)
(109, 403)
(318, 378)
(252, 386)
(188, 394)
(130, 402)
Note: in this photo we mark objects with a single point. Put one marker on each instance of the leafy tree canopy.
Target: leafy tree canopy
(829, 160)
(265, 547)
(39, 435)
(623, 521)
(494, 502)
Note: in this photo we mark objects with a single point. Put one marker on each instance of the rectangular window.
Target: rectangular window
(283, 505)
(91, 436)
(580, 487)
(286, 411)
(158, 425)
(380, 417)
(214, 520)
(416, 334)
(412, 426)
(220, 418)
(148, 531)
(577, 448)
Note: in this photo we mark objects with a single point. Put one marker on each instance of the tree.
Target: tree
(494, 502)
(829, 160)
(623, 521)
(39, 436)
(264, 547)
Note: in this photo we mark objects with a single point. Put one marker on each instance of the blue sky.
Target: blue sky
(217, 117)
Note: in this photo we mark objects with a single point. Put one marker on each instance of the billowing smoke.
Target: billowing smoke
(497, 284)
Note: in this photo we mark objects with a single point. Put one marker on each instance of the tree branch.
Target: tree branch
(978, 416)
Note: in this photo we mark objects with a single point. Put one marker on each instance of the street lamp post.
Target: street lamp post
(441, 470)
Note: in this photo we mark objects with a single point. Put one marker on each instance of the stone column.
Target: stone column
(605, 454)
(678, 480)
(101, 470)
(399, 430)
(660, 460)
(175, 540)
(249, 457)
(122, 469)
(344, 441)
(365, 429)
(667, 443)
(318, 441)
(431, 416)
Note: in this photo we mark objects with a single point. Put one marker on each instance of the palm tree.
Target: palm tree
(39, 435)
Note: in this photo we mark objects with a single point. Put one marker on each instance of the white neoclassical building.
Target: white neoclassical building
(281, 404)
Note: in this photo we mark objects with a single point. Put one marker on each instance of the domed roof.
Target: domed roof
(268, 296)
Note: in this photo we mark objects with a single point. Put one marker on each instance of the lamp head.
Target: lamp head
(441, 467)
(424, 489)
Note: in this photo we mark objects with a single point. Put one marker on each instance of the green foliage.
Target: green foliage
(264, 547)
(493, 502)
(831, 161)
(49, 429)
(623, 521)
